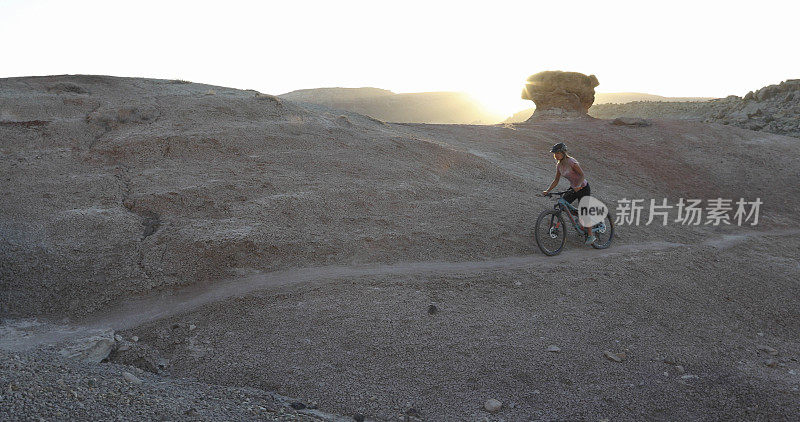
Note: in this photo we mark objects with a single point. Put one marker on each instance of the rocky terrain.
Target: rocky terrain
(611, 97)
(773, 109)
(184, 251)
(42, 385)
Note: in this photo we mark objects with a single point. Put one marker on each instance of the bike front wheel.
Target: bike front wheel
(550, 232)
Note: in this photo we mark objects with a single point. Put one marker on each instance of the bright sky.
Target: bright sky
(487, 48)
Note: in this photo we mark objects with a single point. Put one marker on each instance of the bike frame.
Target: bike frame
(565, 207)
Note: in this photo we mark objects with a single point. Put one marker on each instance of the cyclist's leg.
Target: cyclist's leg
(570, 196)
(586, 191)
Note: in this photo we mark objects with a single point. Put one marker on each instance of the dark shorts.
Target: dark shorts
(571, 195)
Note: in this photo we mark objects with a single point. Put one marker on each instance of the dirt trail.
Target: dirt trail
(144, 309)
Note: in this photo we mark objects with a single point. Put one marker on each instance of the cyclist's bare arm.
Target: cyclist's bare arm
(554, 184)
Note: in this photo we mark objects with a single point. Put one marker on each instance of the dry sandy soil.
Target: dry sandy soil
(262, 249)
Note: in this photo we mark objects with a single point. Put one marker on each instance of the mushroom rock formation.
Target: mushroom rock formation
(560, 93)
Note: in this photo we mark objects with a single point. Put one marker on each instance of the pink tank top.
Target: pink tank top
(565, 168)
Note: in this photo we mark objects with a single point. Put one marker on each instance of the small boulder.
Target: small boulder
(766, 349)
(612, 356)
(492, 405)
(91, 349)
(131, 378)
(553, 348)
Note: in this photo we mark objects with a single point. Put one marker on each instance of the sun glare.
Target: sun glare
(503, 99)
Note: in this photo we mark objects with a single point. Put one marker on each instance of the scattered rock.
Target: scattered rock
(612, 356)
(91, 349)
(192, 327)
(135, 339)
(413, 413)
(680, 369)
(630, 121)
(517, 283)
(770, 109)
(688, 376)
(131, 378)
(771, 363)
(553, 348)
(669, 361)
(492, 405)
(358, 417)
(432, 309)
(117, 337)
(296, 405)
(766, 349)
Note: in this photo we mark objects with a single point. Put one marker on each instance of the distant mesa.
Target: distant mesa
(557, 93)
(387, 106)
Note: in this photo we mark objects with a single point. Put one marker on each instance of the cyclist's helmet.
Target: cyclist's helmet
(559, 147)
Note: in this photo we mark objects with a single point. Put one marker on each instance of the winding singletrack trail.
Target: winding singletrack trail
(144, 309)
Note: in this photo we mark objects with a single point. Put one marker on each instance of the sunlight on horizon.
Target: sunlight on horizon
(686, 49)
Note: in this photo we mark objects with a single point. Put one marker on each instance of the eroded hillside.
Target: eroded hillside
(116, 186)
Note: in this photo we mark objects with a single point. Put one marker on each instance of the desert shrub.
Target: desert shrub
(67, 87)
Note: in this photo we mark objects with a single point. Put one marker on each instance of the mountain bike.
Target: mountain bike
(551, 230)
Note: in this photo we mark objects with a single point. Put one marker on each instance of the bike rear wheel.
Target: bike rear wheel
(550, 232)
(604, 234)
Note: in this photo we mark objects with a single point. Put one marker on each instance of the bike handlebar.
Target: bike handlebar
(551, 194)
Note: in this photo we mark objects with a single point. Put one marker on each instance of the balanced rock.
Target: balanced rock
(560, 93)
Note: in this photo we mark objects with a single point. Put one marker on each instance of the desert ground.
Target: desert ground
(180, 251)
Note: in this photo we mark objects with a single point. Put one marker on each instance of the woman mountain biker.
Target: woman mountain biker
(571, 169)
